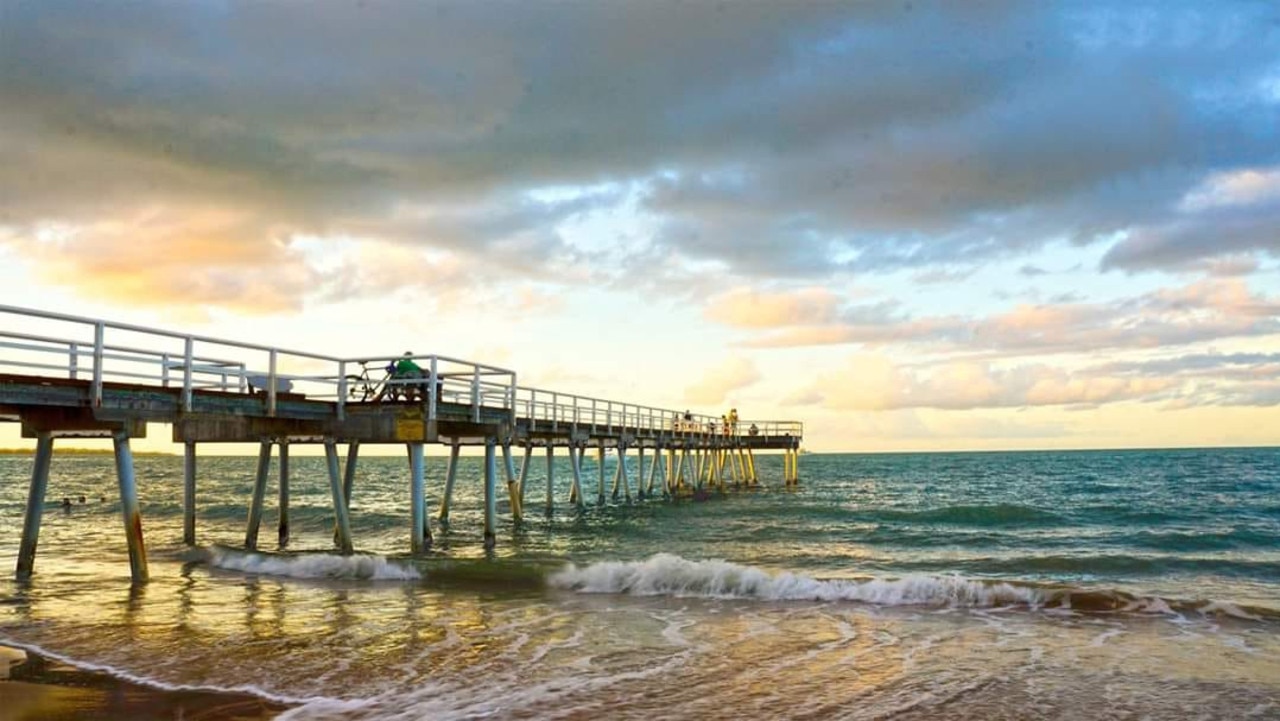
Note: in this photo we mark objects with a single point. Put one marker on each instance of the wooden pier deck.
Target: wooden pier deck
(68, 376)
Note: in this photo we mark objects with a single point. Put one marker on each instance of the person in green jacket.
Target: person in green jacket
(403, 369)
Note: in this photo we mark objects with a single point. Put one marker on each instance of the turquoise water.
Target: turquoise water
(1019, 585)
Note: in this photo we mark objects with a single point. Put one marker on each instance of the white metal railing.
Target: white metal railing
(41, 343)
(558, 411)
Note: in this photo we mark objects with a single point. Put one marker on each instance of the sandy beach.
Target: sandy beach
(47, 690)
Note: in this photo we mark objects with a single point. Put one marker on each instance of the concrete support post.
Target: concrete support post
(551, 476)
(653, 468)
(35, 505)
(617, 475)
(259, 495)
(575, 460)
(450, 474)
(349, 472)
(513, 487)
(685, 466)
(341, 516)
(639, 470)
(671, 469)
(622, 473)
(282, 528)
(189, 493)
(420, 528)
(129, 507)
(600, 458)
(524, 471)
(490, 493)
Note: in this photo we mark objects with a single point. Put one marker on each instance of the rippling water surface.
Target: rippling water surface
(1129, 584)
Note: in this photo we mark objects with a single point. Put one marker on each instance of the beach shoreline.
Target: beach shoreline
(41, 688)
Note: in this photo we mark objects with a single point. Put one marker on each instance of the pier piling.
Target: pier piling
(450, 474)
(259, 495)
(282, 528)
(420, 531)
(513, 487)
(551, 475)
(349, 472)
(35, 505)
(490, 493)
(575, 461)
(341, 517)
(189, 493)
(129, 506)
(600, 459)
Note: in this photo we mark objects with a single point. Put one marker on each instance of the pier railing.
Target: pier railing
(36, 342)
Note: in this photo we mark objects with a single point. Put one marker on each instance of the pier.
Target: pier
(64, 376)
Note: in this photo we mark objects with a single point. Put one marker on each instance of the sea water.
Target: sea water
(1110, 584)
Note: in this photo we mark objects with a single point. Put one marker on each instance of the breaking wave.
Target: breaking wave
(312, 565)
(669, 575)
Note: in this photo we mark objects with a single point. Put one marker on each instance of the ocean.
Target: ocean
(1029, 585)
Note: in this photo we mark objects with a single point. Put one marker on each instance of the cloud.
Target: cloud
(745, 308)
(874, 383)
(760, 140)
(718, 383)
(1201, 311)
(1221, 224)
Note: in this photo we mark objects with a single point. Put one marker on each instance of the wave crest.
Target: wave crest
(665, 574)
(317, 565)
(669, 575)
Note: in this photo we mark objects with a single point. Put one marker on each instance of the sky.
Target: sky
(911, 225)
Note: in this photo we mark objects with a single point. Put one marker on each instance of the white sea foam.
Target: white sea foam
(125, 675)
(313, 565)
(669, 575)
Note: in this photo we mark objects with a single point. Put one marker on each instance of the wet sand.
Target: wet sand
(47, 690)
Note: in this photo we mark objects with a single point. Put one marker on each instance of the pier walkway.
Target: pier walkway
(65, 376)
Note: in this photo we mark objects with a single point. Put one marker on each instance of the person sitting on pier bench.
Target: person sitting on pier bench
(754, 430)
(405, 369)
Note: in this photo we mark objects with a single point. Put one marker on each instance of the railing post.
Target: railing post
(99, 331)
(188, 353)
(555, 412)
(593, 415)
(608, 416)
(514, 386)
(531, 408)
(342, 390)
(75, 359)
(475, 395)
(432, 386)
(164, 370)
(575, 413)
(271, 385)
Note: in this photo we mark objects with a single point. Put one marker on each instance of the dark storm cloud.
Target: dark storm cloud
(770, 139)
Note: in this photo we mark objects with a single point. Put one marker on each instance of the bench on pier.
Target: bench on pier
(260, 384)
